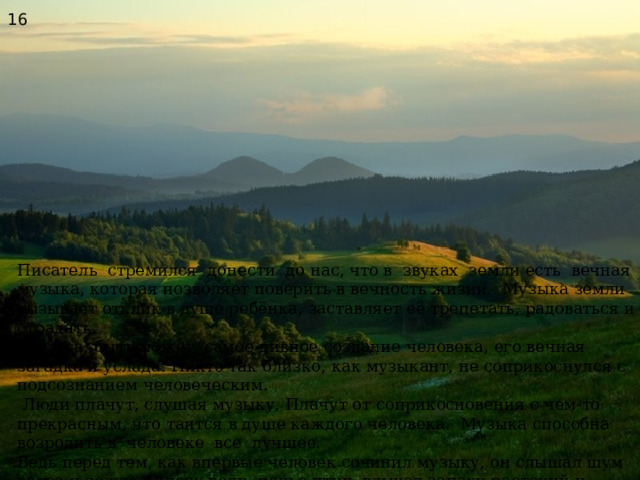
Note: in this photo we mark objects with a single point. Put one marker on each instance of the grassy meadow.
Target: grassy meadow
(497, 442)
(507, 434)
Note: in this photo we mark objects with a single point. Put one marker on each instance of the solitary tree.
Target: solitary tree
(462, 252)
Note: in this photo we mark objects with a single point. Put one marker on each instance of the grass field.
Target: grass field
(349, 265)
(387, 440)
(484, 437)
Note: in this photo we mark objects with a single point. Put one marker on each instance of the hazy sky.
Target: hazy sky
(353, 70)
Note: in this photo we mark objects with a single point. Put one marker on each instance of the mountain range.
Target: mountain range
(64, 190)
(170, 150)
(591, 210)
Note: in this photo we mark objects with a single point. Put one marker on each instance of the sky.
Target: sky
(349, 70)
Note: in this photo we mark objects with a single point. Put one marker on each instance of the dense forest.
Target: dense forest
(560, 209)
(165, 238)
(84, 337)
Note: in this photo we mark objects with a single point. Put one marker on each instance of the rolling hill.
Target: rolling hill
(64, 190)
(568, 210)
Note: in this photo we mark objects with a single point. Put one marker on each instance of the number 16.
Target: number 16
(22, 19)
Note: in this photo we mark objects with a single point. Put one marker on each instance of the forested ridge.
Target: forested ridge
(567, 210)
(167, 237)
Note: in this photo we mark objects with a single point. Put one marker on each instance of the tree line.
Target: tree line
(164, 237)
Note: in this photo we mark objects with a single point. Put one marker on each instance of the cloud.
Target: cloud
(89, 35)
(604, 49)
(305, 104)
(113, 41)
(169, 39)
(586, 87)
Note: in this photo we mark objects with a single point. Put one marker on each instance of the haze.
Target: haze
(357, 71)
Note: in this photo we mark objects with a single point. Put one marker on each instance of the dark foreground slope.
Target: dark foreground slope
(579, 423)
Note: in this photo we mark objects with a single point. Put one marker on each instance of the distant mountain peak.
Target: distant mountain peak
(245, 162)
(328, 169)
(245, 170)
(328, 162)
